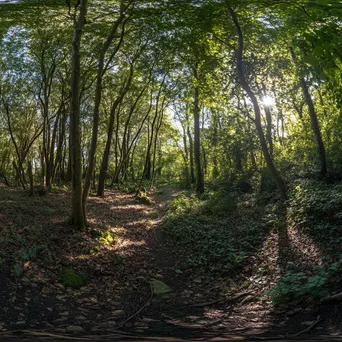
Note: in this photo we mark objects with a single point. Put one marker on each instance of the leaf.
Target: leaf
(159, 288)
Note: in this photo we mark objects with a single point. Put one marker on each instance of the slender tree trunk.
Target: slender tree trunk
(313, 118)
(19, 177)
(18, 168)
(191, 148)
(77, 214)
(98, 96)
(60, 143)
(205, 166)
(94, 176)
(186, 157)
(133, 143)
(50, 166)
(146, 174)
(215, 143)
(114, 114)
(159, 124)
(197, 137)
(43, 159)
(240, 69)
(268, 122)
(30, 174)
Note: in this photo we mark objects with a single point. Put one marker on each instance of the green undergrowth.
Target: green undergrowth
(20, 244)
(106, 237)
(314, 208)
(298, 285)
(70, 278)
(219, 230)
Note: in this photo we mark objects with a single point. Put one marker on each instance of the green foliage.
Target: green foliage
(220, 204)
(143, 199)
(40, 191)
(267, 183)
(105, 236)
(211, 243)
(183, 204)
(159, 288)
(296, 285)
(70, 278)
(21, 245)
(315, 208)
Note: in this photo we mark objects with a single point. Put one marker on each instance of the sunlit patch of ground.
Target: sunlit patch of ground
(119, 272)
(305, 248)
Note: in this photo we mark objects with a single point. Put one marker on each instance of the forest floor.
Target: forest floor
(118, 299)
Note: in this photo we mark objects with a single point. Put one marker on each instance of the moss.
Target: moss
(142, 199)
(105, 236)
(69, 278)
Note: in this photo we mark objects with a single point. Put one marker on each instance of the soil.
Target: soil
(117, 301)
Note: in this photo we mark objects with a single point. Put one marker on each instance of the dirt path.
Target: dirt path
(117, 297)
(118, 273)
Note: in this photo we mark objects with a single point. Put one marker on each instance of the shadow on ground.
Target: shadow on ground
(37, 243)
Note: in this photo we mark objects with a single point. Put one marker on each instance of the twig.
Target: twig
(307, 329)
(142, 308)
(272, 338)
(337, 296)
(46, 334)
(199, 305)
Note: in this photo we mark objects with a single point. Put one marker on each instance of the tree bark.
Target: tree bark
(186, 157)
(60, 143)
(269, 137)
(313, 118)
(240, 69)
(197, 137)
(98, 96)
(113, 114)
(191, 149)
(77, 214)
(30, 174)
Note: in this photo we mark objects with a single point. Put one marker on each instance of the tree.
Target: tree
(102, 68)
(240, 70)
(77, 214)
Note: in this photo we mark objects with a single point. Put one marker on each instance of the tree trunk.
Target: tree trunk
(60, 143)
(197, 137)
(191, 149)
(240, 69)
(114, 113)
(98, 96)
(77, 214)
(313, 117)
(186, 158)
(30, 174)
(268, 122)
(216, 172)
(50, 165)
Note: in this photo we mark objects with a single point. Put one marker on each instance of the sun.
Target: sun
(268, 101)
